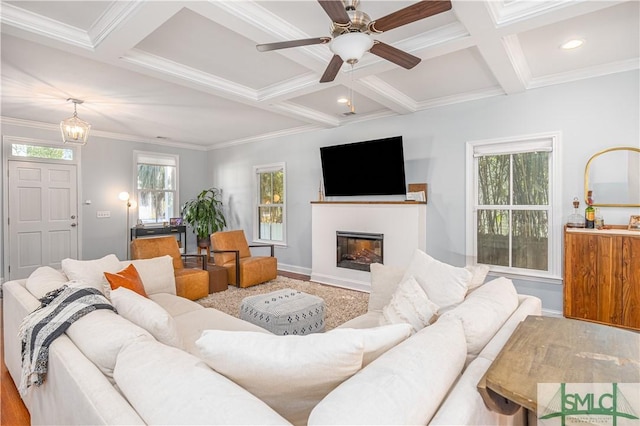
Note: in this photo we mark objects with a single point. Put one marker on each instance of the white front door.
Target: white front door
(42, 216)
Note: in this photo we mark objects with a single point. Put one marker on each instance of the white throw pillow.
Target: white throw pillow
(157, 274)
(101, 334)
(409, 304)
(378, 340)
(290, 373)
(404, 386)
(167, 386)
(147, 314)
(43, 280)
(484, 311)
(478, 275)
(384, 281)
(444, 284)
(92, 272)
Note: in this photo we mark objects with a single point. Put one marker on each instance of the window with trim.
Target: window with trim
(269, 215)
(157, 187)
(511, 222)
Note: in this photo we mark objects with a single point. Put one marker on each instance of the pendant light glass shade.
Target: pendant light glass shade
(74, 130)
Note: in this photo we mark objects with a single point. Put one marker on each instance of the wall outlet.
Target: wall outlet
(104, 213)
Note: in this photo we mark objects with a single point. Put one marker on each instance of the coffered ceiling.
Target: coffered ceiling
(187, 73)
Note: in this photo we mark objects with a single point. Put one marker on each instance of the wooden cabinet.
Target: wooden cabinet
(602, 276)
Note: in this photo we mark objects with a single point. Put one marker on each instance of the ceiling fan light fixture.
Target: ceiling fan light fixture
(351, 46)
(74, 130)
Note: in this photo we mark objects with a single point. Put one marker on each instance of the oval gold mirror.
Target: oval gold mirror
(614, 177)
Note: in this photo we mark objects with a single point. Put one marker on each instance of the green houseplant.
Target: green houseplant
(204, 214)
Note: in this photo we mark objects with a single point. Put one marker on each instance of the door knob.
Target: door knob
(73, 216)
(73, 224)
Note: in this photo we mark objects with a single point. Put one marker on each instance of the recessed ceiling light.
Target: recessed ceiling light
(572, 44)
(343, 100)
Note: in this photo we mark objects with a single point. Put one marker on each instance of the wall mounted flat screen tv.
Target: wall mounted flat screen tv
(374, 167)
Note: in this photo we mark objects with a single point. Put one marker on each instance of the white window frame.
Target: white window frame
(511, 145)
(257, 170)
(161, 158)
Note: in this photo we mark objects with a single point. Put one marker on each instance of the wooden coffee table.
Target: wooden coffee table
(558, 350)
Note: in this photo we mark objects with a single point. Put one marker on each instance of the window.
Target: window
(157, 187)
(514, 215)
(40, 151)
(269, 216)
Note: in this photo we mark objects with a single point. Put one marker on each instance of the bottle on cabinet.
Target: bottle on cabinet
(589, 212)
(576, 220)
(599, 221)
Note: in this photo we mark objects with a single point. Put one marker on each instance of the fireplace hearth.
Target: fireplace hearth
(358, 250)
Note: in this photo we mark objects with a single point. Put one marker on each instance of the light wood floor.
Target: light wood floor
(12, 411)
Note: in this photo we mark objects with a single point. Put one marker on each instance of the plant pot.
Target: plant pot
(204, 242)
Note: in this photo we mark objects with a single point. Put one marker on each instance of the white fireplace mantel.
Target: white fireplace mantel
(403, 225)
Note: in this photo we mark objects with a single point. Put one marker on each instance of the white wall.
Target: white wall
(591, 114)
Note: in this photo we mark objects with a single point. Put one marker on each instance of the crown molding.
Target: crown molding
(506, 13)
(585, 73)
(461, 98)
(117, 13)
(168, 67)
(262, 19)
(388, 92)
(267, 136)
(298, 111)
(513, 50)
(46, 27)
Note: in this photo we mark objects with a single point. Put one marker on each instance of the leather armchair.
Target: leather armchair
(191, 283)
(231, 251)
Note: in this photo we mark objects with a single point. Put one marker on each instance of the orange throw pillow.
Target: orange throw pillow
(127, 278)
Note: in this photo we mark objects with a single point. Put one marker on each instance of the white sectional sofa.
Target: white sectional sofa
(168, 360)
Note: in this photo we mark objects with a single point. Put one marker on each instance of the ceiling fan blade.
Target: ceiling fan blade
(397, 56)
(332, 69)
(292, 43)
(336, 11)
(415, 12)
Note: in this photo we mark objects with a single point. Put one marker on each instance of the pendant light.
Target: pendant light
(74, 130)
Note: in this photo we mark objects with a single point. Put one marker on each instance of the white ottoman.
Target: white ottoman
(285, 312)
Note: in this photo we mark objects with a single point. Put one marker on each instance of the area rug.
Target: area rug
(341, 304)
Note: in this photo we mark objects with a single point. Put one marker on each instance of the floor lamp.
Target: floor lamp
(124, 196)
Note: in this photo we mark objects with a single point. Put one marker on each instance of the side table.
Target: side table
(218, 278)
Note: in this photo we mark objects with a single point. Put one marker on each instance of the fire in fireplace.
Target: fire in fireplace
(358, 250)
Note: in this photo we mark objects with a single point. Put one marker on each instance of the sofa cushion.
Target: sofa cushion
(91, 272)
(147, 314)
(366, 320)
(169, 386)
(290, 373)
(377, 340)
(484, 311)
(127, 278)
(156, 274)
(445, 285)
(175, 305)
(43, 280)
(384, 281)
(409, 304)
(478, 275)
(101, 334)
(404, 386)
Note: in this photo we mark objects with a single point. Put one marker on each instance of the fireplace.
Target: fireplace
(358, 250)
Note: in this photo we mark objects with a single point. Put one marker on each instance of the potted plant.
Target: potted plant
(204, 215)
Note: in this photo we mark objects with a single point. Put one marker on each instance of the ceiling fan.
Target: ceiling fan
(351, 33)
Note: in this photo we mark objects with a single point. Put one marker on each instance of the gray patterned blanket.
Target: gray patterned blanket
(58, 310)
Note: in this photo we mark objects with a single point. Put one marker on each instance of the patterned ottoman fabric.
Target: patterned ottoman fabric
(285, 312)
